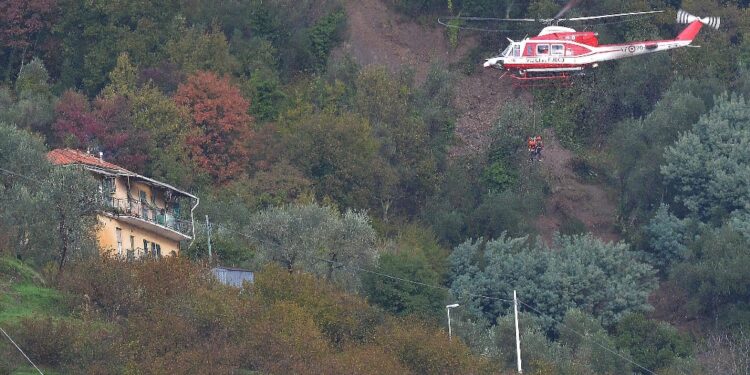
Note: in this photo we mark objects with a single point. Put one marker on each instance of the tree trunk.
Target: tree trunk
(64, 245)
(9, 67)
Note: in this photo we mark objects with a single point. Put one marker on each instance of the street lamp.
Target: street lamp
(448, 309)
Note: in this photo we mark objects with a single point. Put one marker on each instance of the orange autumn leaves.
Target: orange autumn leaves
(220, 126)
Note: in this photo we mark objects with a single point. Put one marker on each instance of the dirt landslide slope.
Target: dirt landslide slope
(379, 36)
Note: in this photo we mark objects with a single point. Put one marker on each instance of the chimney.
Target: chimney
(101, 156)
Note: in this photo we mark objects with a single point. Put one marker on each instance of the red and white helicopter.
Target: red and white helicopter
(560, 52)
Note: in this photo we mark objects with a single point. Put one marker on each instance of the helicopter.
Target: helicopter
(559, 52)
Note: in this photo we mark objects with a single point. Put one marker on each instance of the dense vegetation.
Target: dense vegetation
(334, 182)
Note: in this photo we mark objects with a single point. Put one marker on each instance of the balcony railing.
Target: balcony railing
(147, 212)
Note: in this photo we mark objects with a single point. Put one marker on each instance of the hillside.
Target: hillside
(377, 35)
(369, 177)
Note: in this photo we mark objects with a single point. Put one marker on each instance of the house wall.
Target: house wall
(108, 239)
(121, 191)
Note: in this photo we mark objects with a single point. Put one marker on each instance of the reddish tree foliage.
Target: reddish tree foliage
(106, 126)
(76, 125)
(220, 128)
(124, 145)
(21, 19)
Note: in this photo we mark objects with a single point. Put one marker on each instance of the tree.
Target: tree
(21, 23)
(51, 210)
(34, 105)
(667, 238)
(652, 344)
(404, 298)
(220, 126)
(76, 125)
(638, 146)
(70, 195)
(707, 167)
(33, 80)
(315, 239)
(405, 142)
(195, 49)
(714, 276)
(337, 153)
(604, 280)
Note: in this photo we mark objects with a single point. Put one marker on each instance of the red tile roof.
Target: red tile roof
(65, 156)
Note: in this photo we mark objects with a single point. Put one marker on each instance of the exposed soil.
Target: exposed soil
(379, 36)
(591, 204)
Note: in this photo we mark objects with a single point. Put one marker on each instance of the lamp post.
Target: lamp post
(448, 309)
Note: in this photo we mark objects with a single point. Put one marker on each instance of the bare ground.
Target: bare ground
(591, 204)
(379, 36)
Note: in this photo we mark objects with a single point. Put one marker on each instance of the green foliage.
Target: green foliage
(638, 146)
(403, 298)
(142, 29)
(552, 281)
(337, 153)
(652, 344)
(33, 80)
(317, 239)
(325, 34)
(122, 78)
(707, 166)
(174, 308)
(266, 93)
(195, 48)
(667, 238)
(25, 300)
(714, 275)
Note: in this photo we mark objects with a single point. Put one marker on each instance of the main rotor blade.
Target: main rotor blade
(611, 16)
(566, 8)
(447, 19)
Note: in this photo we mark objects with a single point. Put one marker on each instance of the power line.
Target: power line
(365, 270)
(9, 172)
(384, 275)
(19, 349)
(587, 338)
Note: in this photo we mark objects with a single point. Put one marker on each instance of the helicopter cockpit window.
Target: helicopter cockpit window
(516, 50)
(506, 51)
(542, 49)
(558, 49)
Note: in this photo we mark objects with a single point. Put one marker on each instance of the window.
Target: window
(145, 247)
(118, 236)
(542, 49)
(516, 51)
(558, 49)
(529, 51)
(144, 205)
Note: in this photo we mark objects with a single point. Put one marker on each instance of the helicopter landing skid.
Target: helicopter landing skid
(546, 79)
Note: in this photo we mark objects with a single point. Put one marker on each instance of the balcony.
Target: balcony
(149, 217)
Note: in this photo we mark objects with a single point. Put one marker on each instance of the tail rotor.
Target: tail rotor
(687, 18)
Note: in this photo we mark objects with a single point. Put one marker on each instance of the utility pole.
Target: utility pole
(518, 336)
(208, 233)
(448, 309)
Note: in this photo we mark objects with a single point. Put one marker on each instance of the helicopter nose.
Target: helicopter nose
(495, 61)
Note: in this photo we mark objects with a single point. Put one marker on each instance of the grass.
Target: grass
(23, 293)
(23, 300)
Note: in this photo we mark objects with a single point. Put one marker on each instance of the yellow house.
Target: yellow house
(140, 216)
